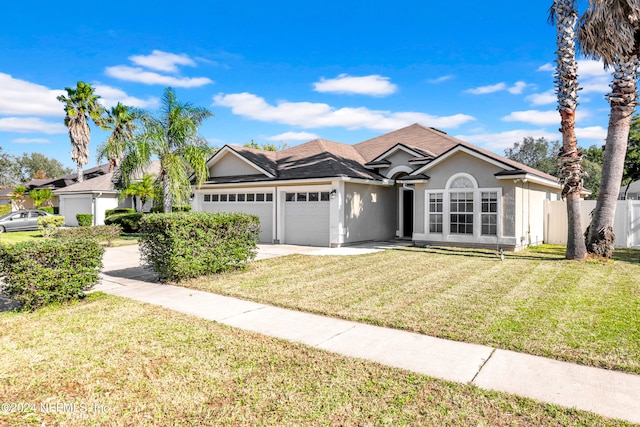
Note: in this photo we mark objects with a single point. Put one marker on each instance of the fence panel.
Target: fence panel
(626, 223)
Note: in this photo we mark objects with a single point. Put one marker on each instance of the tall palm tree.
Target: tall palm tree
(121, 120)
(565, 16)
(173, 138)
(81, 105)
(610, 30)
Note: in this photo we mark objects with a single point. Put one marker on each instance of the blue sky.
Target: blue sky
(287, 72)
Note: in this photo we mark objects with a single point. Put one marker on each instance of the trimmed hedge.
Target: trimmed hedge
(130, 222)
(109, 212)
(84, 220)
(183, 245)
(49, 271)
(101, 233)
(47, 225)
(47, 209)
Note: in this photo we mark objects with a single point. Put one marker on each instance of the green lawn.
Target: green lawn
(30, 236)
(534, 301)
(121, 362)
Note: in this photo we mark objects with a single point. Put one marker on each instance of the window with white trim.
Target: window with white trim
(489, 215)
(435, 213)
(461, 212)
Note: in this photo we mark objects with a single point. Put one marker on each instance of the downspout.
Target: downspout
(95, 208)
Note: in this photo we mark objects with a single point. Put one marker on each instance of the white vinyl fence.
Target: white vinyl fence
(626, 224)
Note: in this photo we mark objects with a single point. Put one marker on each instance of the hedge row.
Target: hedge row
(129, 221)
(181, 245)
(49, 271)
(101, 233)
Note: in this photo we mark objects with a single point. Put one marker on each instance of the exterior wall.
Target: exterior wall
(530, 213)
(399, 162)
(101, 204)
(370, 212)
(231, 165)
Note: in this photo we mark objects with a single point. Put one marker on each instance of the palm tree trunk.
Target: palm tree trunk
(166, 194)
(601, 238)
(80, 177)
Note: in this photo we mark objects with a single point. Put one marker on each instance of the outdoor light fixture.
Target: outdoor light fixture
(333, 194)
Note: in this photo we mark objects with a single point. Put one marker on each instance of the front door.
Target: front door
(407, 213)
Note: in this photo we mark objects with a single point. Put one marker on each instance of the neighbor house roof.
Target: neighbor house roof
(101, 182)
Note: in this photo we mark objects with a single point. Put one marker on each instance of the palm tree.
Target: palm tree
(565, 16)
(81, 105)
(173, 138)
(610, 30)
(144, 189)
(41, 196)
(121, 120)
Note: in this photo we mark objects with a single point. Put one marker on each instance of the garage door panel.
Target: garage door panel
(264, 211)
(307, 223)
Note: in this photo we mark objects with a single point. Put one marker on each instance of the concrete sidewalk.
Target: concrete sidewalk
(608, 393)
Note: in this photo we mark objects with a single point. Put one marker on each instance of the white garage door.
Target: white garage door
(260, 204)
(72, 205)
(307, 218)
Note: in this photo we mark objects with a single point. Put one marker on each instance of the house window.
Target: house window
(324, 196)
(251, 197)
(269, 197)
(489, 216)
(241, 197)
(313, 197)
(223, 197)
(207, 197)
(215, 197)
(461, 213)
(260, 197)
(232, 197)
(290, 197)
(435, 213)
(301, 197)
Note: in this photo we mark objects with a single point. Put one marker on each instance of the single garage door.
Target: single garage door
(260, 204)
(307, 218)
(72, 205)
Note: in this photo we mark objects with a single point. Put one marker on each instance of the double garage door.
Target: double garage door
(305, 214)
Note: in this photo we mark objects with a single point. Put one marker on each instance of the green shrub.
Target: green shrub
(182, 245)
(101, 233)
(130, 222)
(49, 271)
(48, 224)
(5, 209)
(181, 208)
(84, 220)
(110, 212)
(48, 209)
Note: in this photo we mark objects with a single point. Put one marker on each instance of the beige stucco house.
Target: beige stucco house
(414, 183)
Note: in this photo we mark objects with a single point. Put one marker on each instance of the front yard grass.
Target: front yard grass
(533, 302)
(112, 361)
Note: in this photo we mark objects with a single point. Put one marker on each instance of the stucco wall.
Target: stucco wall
(370, 212)
(231, 165)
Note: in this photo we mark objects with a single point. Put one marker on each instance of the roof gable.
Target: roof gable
(260, 161)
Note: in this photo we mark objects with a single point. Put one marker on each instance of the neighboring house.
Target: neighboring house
(416, 183)
(94, 196)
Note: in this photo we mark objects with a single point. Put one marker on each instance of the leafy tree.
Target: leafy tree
(610, 30)
(172, 136)
(537, 153)
(565, 17)
(122, 121)
(39, 166)
(144, 189)
(40, 196)
(9, 170)
(81, 105)
(264, 147)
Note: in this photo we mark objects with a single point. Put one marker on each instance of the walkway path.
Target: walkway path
(608, 393)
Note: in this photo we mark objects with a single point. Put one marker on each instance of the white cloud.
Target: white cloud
(374, 85)
(136, 74)
(595, 133)
(110, 96)
(30, 141)
(483, 90)
(293, 136)
(592, 68)
(534, 117)
(318, 115)
(20, 97)
(162, 61)
(517, 88)
(30, 125)
(547, 67)
(440, 79)
(544, 98)
(498, 142)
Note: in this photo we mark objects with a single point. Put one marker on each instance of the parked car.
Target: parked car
(21, 220)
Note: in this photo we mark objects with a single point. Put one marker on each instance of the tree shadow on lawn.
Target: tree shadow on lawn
(538, 254)
(134, 273)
